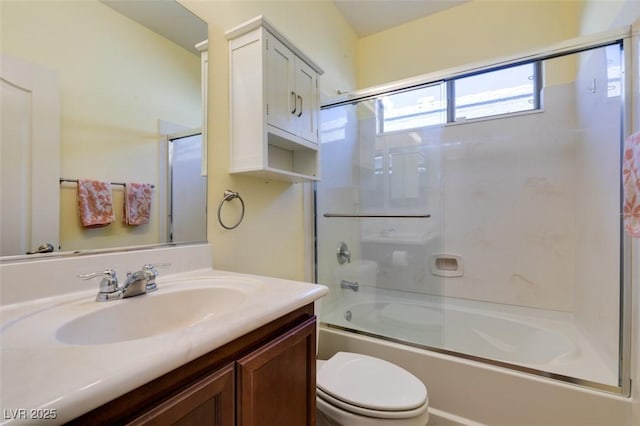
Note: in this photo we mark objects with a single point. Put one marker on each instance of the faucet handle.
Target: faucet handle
(153, 266)
(151, 272)
(108, 283)
(342, 253)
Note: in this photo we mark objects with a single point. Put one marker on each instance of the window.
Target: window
(414, 108)
(502, 91)
(494, 92)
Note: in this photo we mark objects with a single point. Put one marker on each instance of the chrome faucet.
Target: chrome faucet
(135, 284)
(353, 285)
(139, 282)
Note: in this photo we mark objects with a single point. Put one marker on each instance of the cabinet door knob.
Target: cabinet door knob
(300, 113)
(295, 103)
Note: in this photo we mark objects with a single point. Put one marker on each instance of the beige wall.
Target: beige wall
(476, 31)
(601, 15)
(270, 240)
(117, 79)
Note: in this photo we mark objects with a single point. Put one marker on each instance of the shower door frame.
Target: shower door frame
(576, 45)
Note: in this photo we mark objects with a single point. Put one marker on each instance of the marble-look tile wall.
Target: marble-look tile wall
(509, 189)
(521, 199)
(531, 203)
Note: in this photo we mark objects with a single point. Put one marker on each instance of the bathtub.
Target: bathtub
(462, 331)
(482, 363)
(546, 343)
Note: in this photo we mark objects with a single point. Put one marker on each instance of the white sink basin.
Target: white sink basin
(149, 315)
(77, 319)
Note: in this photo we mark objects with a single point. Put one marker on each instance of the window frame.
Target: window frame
(450, 98)
(537, 89)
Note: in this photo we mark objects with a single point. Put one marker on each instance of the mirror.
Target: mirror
(95, 94)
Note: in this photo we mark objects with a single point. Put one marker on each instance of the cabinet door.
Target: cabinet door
(281, 95)
(208, 402)
(307, 98)
(277, 382)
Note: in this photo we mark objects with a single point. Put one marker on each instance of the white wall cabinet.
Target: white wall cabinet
(274, 105)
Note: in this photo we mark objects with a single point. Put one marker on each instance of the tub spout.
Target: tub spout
(353, 285)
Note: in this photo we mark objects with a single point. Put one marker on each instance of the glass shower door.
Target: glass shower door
(378, 213)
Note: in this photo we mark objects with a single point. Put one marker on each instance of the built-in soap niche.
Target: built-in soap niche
(447, 265)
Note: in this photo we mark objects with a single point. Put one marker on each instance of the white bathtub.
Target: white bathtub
(491, 364)
(458, 330)
(537, 341)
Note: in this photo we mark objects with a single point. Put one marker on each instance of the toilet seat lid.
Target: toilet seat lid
(370, 383)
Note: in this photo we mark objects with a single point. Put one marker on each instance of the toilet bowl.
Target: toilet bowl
(360, 390)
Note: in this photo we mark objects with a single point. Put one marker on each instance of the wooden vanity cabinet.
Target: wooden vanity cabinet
(277, 382)
(264, 378)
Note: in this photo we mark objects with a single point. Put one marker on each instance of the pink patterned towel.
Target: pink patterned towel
(95, 203)
(137, 203)
(631, 185)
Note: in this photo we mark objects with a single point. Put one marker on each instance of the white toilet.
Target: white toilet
(359, 390)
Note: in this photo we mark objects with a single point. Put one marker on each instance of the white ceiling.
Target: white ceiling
(372, 16)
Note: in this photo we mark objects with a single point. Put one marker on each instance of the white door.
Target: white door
(307, 98)
(30, 157)
(281, 95)
(188, 199)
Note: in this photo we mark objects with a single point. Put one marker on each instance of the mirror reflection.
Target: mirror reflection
(90, 93)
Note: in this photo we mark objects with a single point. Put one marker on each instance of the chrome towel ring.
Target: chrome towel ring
(228, 196)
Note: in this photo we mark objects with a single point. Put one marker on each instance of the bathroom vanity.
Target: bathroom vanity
(264, 377)
(208, 347)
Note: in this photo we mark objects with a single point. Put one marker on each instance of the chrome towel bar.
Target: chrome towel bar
(112, 183)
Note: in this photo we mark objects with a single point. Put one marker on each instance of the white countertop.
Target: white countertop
(38, 372)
